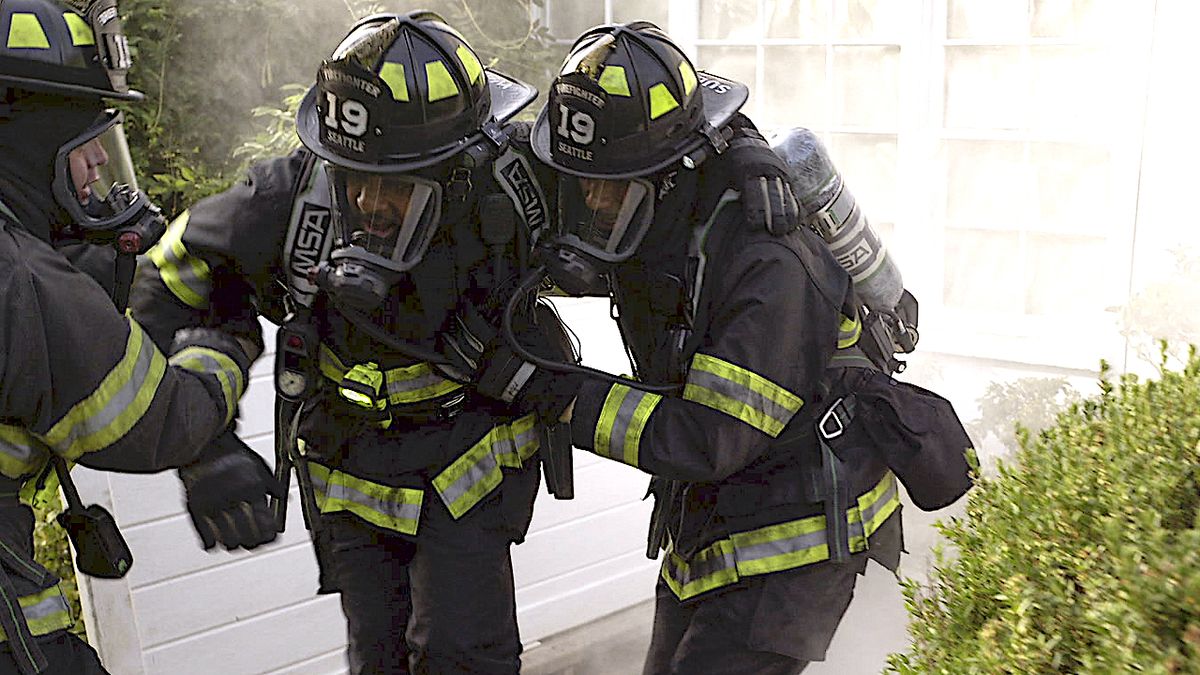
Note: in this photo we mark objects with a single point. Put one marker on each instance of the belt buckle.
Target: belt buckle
(831, 415)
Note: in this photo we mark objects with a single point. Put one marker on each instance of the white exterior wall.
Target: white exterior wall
(184, 611)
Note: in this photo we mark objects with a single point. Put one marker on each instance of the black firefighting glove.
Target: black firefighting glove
(227, 488)
(767, 197)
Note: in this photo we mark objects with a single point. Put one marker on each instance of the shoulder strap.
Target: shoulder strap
(309, 237)
(709, 237)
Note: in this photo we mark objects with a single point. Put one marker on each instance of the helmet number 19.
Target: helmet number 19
(350, 116)
(575, 125)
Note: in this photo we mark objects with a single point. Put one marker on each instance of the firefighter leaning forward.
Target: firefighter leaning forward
(79, 381)
(403, 221)
(743, 330)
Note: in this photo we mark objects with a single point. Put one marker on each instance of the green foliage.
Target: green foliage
(54, 553)
(1084, 555)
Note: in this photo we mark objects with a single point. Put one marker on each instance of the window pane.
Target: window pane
(881, 20)
(1074, 89)
(569, 18)
(794, 88)
(988, 185)
(987, 19)
(798, 19)
(655, 11)
(735, 63)
(1074, 190)
(1065, 275)
(729, 19)
(983, 271)
(867, 163)
(866, 84)
(986, 87)
(1083, 19)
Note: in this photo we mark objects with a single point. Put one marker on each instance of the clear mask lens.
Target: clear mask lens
(96, 172)
(390, 217)
(606, 218)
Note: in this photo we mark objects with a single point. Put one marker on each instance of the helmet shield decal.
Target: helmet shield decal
(385, 219)
(604, 218)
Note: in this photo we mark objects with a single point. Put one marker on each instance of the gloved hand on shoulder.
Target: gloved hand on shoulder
(227, 488)
(767, 197)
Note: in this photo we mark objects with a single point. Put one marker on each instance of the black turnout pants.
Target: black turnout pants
(442, 603)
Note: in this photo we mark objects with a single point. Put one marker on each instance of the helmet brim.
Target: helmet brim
(722, 99)
(34, 84)
(509, 96)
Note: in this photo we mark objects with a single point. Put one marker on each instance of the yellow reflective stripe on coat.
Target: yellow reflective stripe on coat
(212, 362)
(849, 331)
(45, 612)
(393, 508)
(623, 418)
(737, 392)
(117, 404)
(405, 385)
(476, 474)
(779, 547)
(188, 277)
(21, 453)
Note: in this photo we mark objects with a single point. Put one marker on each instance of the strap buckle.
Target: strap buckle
(833, 423)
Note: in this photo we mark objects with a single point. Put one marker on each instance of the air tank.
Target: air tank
(827, 205)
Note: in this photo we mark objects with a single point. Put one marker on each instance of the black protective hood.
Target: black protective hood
(32, 129)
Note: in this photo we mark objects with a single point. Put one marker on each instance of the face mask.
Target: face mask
(601, 223)
(384, 224)
(95, 185)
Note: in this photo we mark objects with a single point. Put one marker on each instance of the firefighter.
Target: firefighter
(404, 219)
(80, 382)
(738, 334)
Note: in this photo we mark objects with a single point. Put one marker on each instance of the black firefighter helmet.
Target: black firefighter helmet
(397, 112)
(627, 105)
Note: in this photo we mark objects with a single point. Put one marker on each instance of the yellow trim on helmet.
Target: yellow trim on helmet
(614, 81)
(81, 32)
(441, 84)
(689, 77)
(470, 62)
(661, 101)
(393, 75)
(25, 32)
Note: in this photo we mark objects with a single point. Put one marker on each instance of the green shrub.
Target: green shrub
(1083, 556)
(52, 551)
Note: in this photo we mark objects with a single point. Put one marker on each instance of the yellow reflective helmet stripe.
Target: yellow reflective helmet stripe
(441, 84)
(81, 32)
(185, 275)
(392, 508)
(689, 77)
(117, 404)
(737, 392)
(393, 75)
(614, 81)
(470, 62)
(661, 101)
(623, 418)
(209, 361)
(25, 32)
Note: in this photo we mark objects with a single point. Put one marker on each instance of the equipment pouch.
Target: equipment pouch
(100, 550)
(916, 433)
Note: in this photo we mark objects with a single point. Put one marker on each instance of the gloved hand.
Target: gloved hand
(227, 488)
(767, 197)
